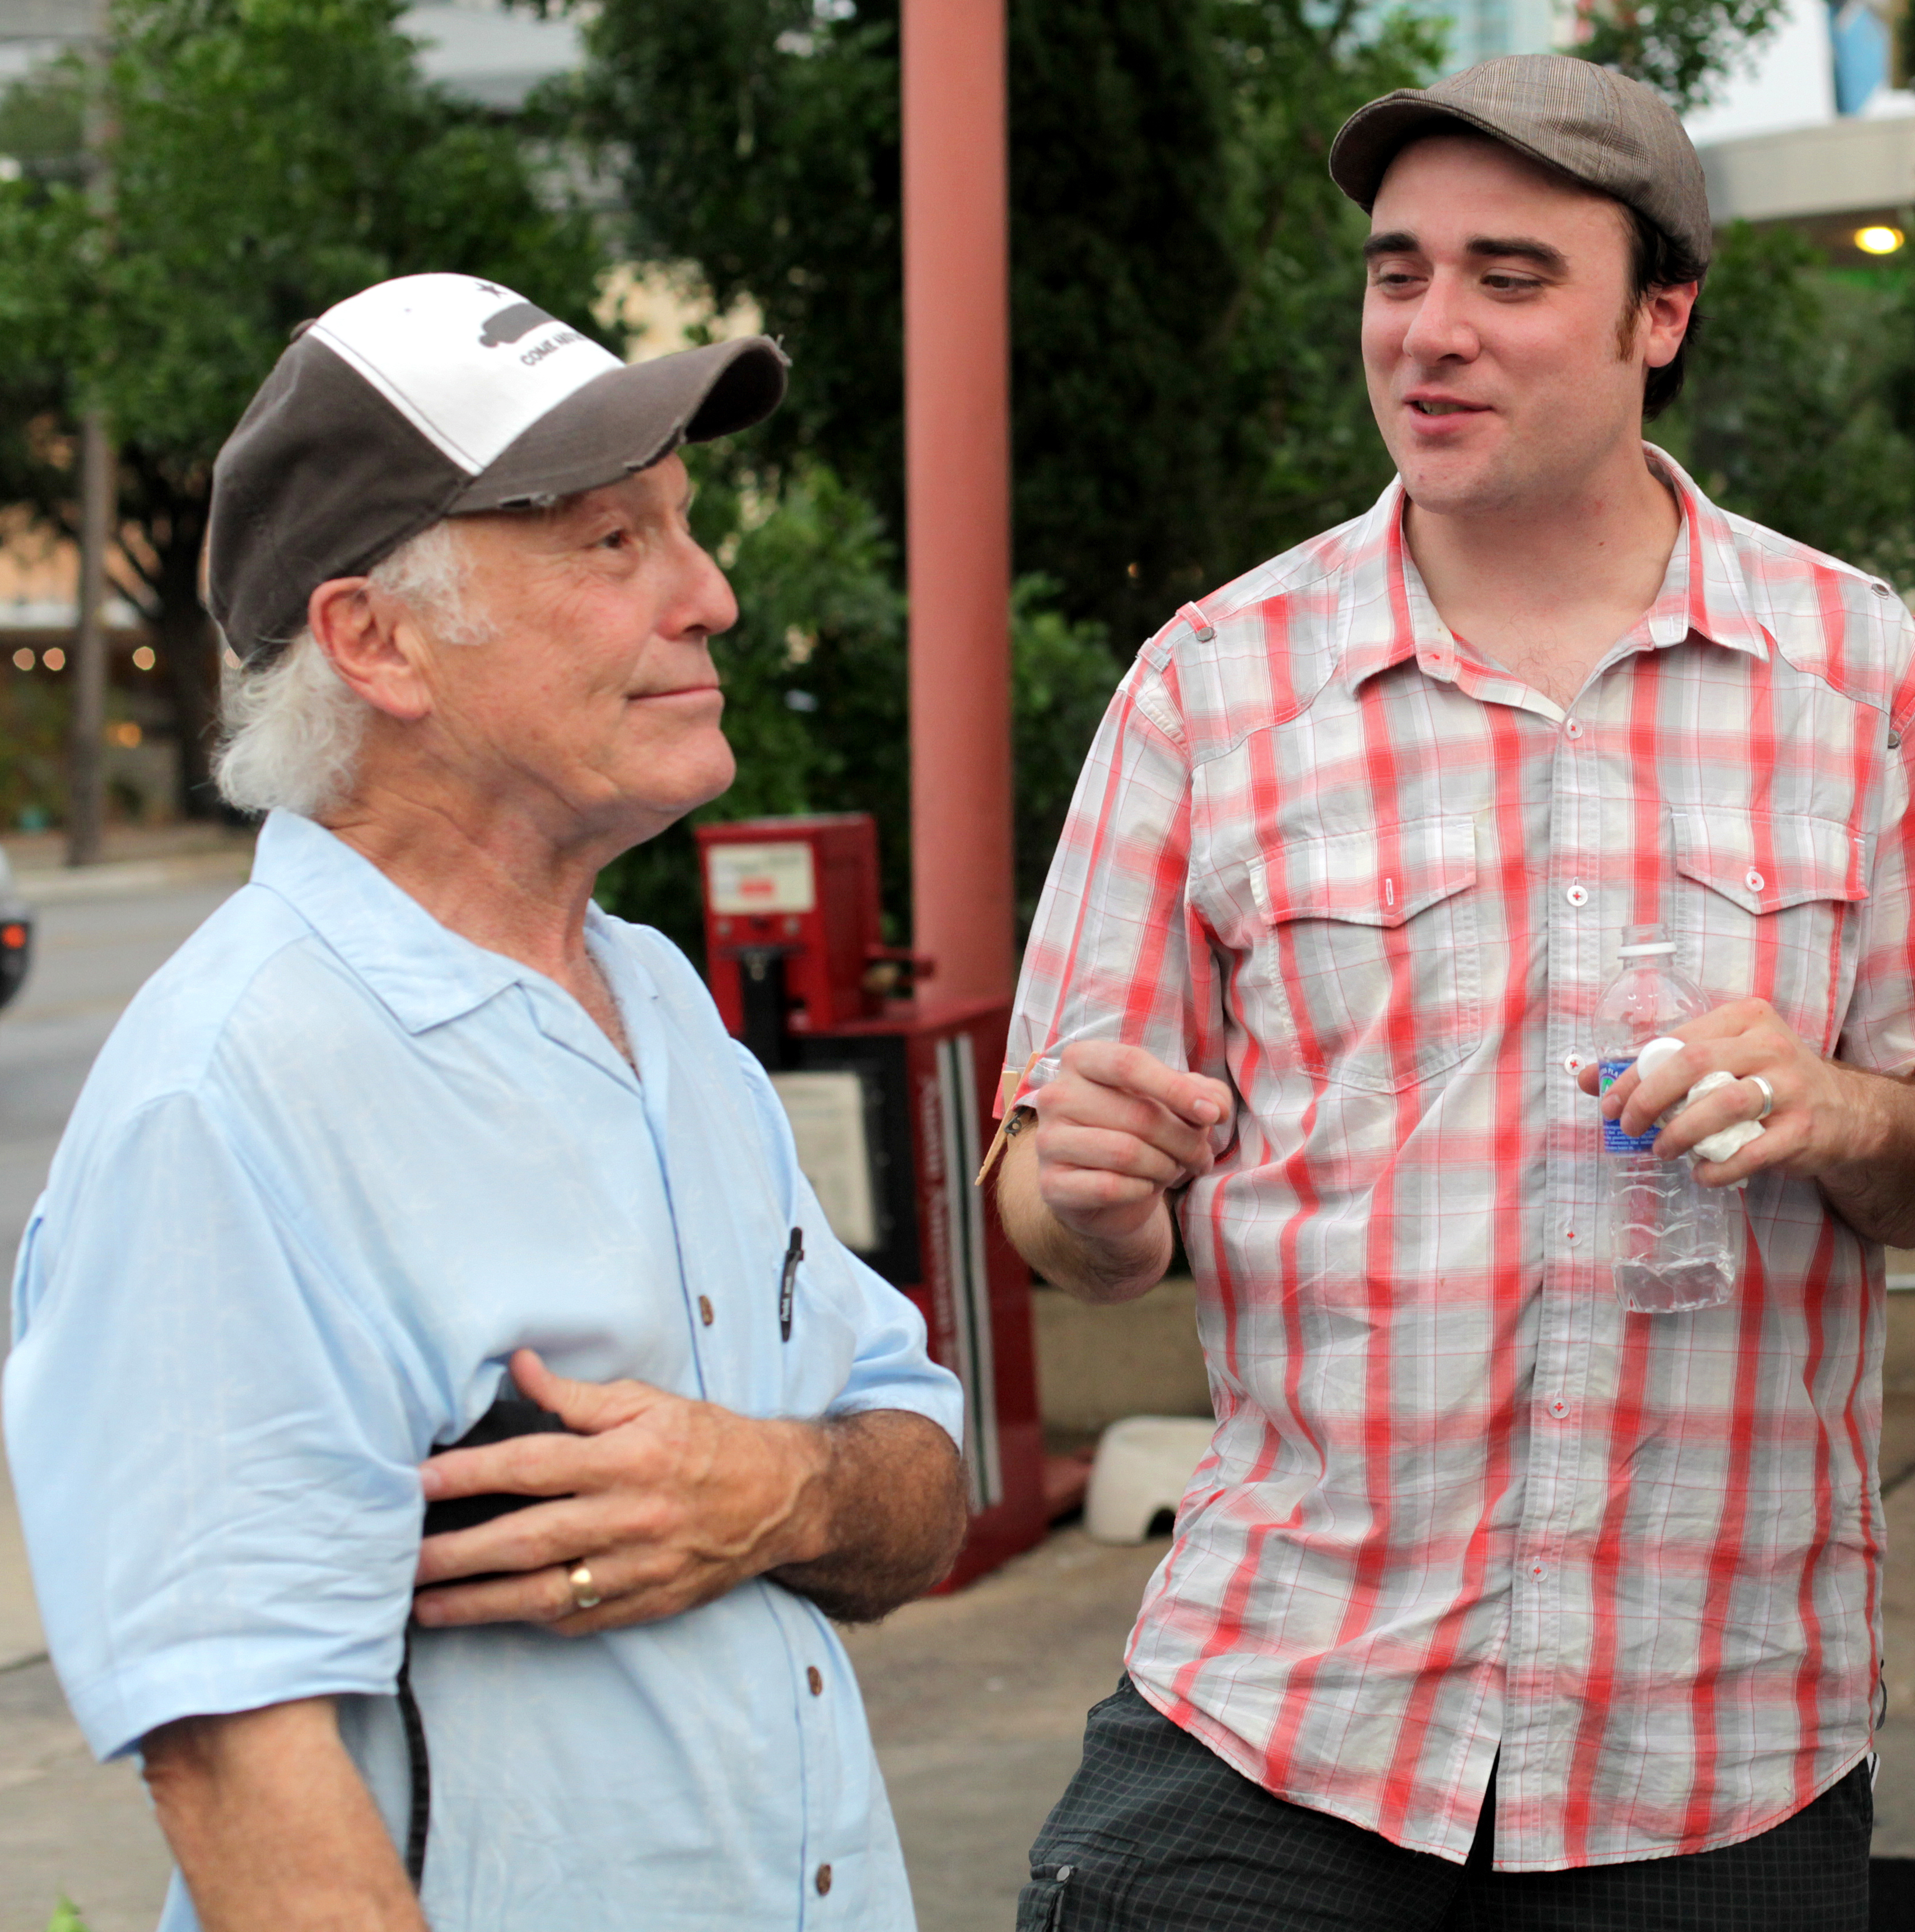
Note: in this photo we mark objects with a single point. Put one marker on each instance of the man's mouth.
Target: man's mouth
(1445, 409)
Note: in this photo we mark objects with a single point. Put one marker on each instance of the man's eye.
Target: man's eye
(614, 539)
(1519, 283)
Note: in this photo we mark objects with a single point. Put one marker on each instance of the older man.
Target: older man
(410, 1109)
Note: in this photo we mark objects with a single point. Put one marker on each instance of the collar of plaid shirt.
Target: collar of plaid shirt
(1457, 1501)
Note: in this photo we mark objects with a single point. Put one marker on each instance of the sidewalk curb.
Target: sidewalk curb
(126, 878)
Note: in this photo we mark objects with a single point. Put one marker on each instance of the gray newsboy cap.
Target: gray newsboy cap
(1614, 136)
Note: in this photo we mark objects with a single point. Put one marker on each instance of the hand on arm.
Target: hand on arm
(273, 1828)
(1851, 1131)
(1081, 1196)
(672, 1502)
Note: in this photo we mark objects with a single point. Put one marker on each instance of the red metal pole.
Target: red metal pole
(957, 438)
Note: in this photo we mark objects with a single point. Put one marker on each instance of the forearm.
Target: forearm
(1875, 1192)
(1093, 1268)
(886, 1516)
(273, 1827)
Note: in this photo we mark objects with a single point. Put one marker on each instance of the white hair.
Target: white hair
(290, 729)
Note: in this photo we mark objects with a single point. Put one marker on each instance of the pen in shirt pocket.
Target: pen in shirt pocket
(787, 1285)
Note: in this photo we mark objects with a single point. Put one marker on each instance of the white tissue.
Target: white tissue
(1727, 1141)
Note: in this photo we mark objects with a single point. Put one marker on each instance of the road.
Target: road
(977, 1700)
(66, 1823)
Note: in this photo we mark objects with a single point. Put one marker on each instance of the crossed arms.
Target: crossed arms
(673, 1501)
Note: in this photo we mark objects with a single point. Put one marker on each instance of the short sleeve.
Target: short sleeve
(1115, 951)
(889, 1366)
(214, 1463)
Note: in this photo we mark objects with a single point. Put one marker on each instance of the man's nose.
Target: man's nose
(1441, 329)
(705, 601)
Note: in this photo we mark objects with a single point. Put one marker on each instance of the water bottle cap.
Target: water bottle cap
(1636, 951)
(1653, 1053)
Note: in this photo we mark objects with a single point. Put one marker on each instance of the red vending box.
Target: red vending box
(891, 1104)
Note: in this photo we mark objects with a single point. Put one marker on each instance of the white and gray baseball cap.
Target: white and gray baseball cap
(436, 396)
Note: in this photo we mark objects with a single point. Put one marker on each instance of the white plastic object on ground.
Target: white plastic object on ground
(1143, 1465)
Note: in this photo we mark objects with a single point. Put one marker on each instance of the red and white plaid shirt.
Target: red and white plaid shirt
(1457, 1501)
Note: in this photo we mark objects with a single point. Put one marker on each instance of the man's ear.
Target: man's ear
(372, 643)
(1665, 319)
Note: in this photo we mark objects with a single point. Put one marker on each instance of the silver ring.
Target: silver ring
(1768, 1095)
(584, 1593)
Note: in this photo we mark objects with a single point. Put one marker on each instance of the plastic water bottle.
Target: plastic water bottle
(1674, 1245)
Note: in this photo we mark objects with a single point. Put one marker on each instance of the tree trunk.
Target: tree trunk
(189, 648)
(189, 654)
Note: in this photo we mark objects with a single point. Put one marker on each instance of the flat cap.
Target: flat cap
(1611, 134)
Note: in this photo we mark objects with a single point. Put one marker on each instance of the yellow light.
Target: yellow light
(1879, 241)
(127, 734)
(143, 659)
(54, 660)
(23, 659)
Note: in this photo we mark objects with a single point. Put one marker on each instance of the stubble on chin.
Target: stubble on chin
(1440, 487)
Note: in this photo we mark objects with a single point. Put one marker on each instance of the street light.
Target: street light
(1879, 239)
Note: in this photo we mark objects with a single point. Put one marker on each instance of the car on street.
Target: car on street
(15, 935)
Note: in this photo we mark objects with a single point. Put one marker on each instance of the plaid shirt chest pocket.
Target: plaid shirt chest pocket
(1764, 911)
(1374, 933)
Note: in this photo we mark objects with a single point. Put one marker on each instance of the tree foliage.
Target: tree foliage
(1799, 408)
(266, 158)
(759, 140)
(1184, 377)
(816, 698)
(1683, 49)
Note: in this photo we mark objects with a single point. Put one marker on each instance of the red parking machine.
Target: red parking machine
(890, 1101)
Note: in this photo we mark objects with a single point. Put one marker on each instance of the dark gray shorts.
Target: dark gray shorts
(1156, 1833)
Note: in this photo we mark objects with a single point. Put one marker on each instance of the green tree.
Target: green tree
(815, 703)
(1796, 412)
(1684, 49)
(1183, 275)
(758, 139)
(267, 158)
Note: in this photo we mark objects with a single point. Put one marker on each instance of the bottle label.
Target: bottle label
(1614, 1140)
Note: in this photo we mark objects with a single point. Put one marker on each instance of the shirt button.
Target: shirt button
(815, 1678)
(1578, 895)
(1539, 1570)
(1570, 1235)
(705, 1310)
(1574, 1063)
(1573, 729)
(823, 1881)
(1754, 880)
(1558, 1408)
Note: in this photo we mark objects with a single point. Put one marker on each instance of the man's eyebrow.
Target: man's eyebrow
(1523, 247)
(1395, 241)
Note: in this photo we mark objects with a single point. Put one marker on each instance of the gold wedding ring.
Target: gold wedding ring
(584, 1593)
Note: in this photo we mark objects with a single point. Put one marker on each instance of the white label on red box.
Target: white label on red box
(826, 1113)
(775, 877)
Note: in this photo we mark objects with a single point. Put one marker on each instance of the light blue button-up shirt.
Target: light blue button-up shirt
(334, 1164)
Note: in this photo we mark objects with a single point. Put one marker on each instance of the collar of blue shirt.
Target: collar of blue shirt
(424, 972)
